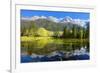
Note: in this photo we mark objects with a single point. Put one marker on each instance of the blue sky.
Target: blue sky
(57, 14)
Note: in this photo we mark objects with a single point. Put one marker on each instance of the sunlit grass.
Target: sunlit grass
(25, 38)
(58, 40)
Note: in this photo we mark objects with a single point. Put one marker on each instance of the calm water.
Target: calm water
(44, 50)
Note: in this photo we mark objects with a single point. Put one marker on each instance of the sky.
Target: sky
(57, 14)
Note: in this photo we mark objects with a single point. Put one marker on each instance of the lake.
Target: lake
(53, 49)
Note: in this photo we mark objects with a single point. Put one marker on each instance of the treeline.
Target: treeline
(73, 32)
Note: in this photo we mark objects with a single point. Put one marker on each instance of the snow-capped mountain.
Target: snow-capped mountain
(54, 19)
(66, 19)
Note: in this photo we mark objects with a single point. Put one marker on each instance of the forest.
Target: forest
(46, 28)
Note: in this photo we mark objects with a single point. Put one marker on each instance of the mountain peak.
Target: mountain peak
(66, 19)
(54, 19)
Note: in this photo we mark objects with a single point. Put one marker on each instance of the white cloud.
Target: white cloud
(34, 18)
(25, 18)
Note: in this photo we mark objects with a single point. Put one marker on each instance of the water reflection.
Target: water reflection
(41, 51)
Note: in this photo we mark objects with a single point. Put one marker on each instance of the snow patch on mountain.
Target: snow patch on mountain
(54, 19)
